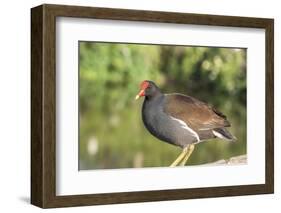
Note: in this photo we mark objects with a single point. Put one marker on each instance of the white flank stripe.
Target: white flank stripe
(185, 126)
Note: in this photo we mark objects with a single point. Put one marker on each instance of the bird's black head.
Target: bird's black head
(148, 89)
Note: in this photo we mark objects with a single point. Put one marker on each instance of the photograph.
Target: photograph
(131, 105)
(161, 105)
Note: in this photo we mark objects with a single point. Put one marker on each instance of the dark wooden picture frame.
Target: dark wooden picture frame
(43, 105)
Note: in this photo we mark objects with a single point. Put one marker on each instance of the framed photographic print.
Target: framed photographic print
(135, 106)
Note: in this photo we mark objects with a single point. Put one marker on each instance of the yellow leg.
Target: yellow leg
(188, 153)
(180, 157)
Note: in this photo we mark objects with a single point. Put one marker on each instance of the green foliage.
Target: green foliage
(111, 131)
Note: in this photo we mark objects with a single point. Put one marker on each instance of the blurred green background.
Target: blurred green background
(112, 134)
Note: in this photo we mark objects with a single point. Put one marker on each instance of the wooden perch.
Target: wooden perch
(237, 160)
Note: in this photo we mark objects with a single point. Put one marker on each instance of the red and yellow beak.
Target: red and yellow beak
(141, 93)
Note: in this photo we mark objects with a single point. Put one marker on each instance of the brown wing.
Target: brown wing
(196, 114)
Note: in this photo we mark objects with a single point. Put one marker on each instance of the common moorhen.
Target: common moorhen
(181, 120)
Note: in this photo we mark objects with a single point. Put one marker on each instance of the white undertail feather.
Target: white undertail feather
(185, 126)
(217, 134)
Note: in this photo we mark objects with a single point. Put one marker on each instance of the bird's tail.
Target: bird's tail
(224, 134)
